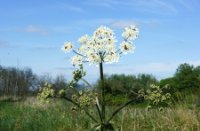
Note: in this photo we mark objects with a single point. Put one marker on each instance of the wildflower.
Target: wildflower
(130, 33)
(83, 39)
(127, 47)
(111, 57)
(67, 46)
(93, 57)
(62, 92)
(77, 60)
(100, 47)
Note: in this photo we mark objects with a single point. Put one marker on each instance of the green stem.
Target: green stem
(76, 104)
(102, 92)
(121, 107)
(99, 109)
(99, 113)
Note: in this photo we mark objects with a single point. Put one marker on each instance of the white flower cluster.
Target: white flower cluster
(66, 47)
(130, 33)
(101, 47)
(77, 60)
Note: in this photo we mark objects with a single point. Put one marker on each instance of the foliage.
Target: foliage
(46, 92)
(57, 116)
(84, 98)
(156, 96)
(78, 73)
(16, 82)
(185, 81)
(126, 85)
(186, 76)
(116, 100)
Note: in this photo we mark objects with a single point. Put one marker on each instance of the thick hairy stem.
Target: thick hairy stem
(76, 104)
(121, 107)
(102, 92)
(99, 113)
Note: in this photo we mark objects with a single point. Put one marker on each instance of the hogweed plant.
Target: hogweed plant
(98, 49)
(45, 92)
(156, 96)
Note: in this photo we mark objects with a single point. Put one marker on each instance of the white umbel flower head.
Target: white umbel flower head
(127, 47)
(101, 46)
(67, 47)
(77, 60)
(83, 39)
(93, 58)
(130, 33)
(111, 57)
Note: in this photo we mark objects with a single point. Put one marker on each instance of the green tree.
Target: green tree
(186, 76)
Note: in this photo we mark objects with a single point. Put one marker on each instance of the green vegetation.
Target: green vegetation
(30, 115)
(181, 112)
(33, 116)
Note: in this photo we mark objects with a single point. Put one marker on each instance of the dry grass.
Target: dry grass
(56, 115)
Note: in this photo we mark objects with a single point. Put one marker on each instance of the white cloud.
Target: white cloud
(67, 7)
(35, 29)
(148, 6)
(119, 23)
(140, 5)
(74, 8)
(44, 48)
(124, 23)
(189, 5)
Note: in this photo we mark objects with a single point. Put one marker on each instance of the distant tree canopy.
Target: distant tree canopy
(186, 77)
(21, 82)
(14, 81)
(127, 84)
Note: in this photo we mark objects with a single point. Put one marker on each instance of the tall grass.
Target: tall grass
(31, 115)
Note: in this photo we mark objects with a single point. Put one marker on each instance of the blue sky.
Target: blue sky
(32, 33)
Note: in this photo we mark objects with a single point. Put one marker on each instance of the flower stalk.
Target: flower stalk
(102, 91)
(98, 49)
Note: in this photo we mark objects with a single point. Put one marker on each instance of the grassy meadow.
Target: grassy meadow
(32, 115)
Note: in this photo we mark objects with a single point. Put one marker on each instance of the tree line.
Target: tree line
(23, 82)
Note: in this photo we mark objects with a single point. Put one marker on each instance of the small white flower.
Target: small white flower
(77, 60)
(67, 46)
(93, 57)
(126, 47)
(111, 57)
(83, 39)
(130, 33)
(103, 31)
(110, 47)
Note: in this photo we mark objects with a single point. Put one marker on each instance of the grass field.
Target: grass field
(31, 115)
